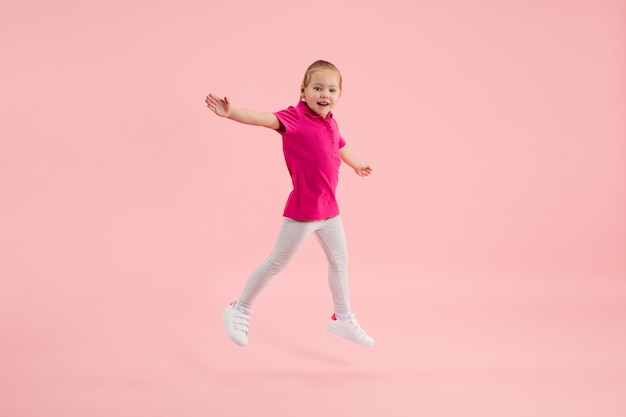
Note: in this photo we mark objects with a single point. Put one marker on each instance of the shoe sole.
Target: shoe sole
(235, 341)
(348, 336)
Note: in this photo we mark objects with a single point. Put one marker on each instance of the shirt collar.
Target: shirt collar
(304, 108)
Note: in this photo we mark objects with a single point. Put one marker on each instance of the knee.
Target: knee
(277, 261)
(338, 262)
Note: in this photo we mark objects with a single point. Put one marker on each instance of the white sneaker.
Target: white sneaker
(350, 329)
(236, 325)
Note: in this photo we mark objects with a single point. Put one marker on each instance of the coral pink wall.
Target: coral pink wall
(496, 130)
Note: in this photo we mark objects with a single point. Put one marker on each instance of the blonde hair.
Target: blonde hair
(318, 65)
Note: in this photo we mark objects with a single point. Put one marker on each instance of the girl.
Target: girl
(313, 150)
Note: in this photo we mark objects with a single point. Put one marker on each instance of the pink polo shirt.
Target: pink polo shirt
(311, 146)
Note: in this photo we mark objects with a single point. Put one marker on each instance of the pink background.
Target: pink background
(487, 249)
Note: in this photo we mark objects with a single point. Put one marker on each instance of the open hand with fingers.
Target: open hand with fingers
(219, 106)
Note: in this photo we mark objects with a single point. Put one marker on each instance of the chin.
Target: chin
(324, 110)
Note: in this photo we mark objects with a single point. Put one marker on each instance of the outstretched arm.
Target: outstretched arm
(222, 107)
(361, 168)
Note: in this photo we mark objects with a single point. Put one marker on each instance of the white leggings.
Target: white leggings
(293, 234)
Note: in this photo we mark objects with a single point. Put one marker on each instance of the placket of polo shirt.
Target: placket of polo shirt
(329, 127)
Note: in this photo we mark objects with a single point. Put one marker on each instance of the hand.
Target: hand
(363, 170)
(219, 106)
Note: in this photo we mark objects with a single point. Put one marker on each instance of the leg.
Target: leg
(331, 237)
(292, 236)
(343, 323)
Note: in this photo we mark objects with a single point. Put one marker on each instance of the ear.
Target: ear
(302, 92)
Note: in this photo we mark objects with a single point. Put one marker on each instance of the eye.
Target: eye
(332, 90)
(316, 88)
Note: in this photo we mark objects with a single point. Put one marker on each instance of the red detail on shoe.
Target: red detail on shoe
(334, 317)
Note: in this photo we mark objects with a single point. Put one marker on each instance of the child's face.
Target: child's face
(323, 91)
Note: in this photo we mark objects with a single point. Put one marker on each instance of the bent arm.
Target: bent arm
(361, 168)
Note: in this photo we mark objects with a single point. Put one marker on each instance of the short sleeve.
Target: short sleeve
(342, 142)
(288, 119)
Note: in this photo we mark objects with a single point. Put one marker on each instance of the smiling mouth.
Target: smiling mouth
(323, 104)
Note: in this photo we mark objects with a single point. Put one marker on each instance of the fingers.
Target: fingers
(210, 103)
(214, 102)
(213, 99)
(364, 171)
